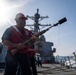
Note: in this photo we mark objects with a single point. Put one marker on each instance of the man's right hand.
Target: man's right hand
(20, 46)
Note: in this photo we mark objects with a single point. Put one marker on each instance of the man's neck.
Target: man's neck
(18, 26)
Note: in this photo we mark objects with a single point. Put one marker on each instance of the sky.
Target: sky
(63, 36)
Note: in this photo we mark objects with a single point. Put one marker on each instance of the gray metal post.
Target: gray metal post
(74, 56)
(69, 61)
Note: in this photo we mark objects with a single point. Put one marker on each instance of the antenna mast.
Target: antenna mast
(37, 18)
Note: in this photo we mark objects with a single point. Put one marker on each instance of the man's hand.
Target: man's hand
(34, 50)
(33, 37)
(20, 46)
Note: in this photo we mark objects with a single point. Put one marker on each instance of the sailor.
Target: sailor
(13, 38)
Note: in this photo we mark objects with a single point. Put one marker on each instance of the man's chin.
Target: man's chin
(23, 26)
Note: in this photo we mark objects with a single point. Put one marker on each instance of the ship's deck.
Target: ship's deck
(52, 69)
(55, 69)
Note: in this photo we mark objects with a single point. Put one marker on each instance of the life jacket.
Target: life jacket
(31, 53)
(17, 37)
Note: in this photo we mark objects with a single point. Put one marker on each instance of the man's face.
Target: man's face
(21, 22)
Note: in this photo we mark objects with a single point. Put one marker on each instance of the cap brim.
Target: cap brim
(25, 18)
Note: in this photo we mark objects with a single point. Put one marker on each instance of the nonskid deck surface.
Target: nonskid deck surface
(51, 69)
(55, 69)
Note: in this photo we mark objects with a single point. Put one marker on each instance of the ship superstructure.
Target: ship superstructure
(45, 47)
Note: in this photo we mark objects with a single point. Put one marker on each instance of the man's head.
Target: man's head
(20, 19)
